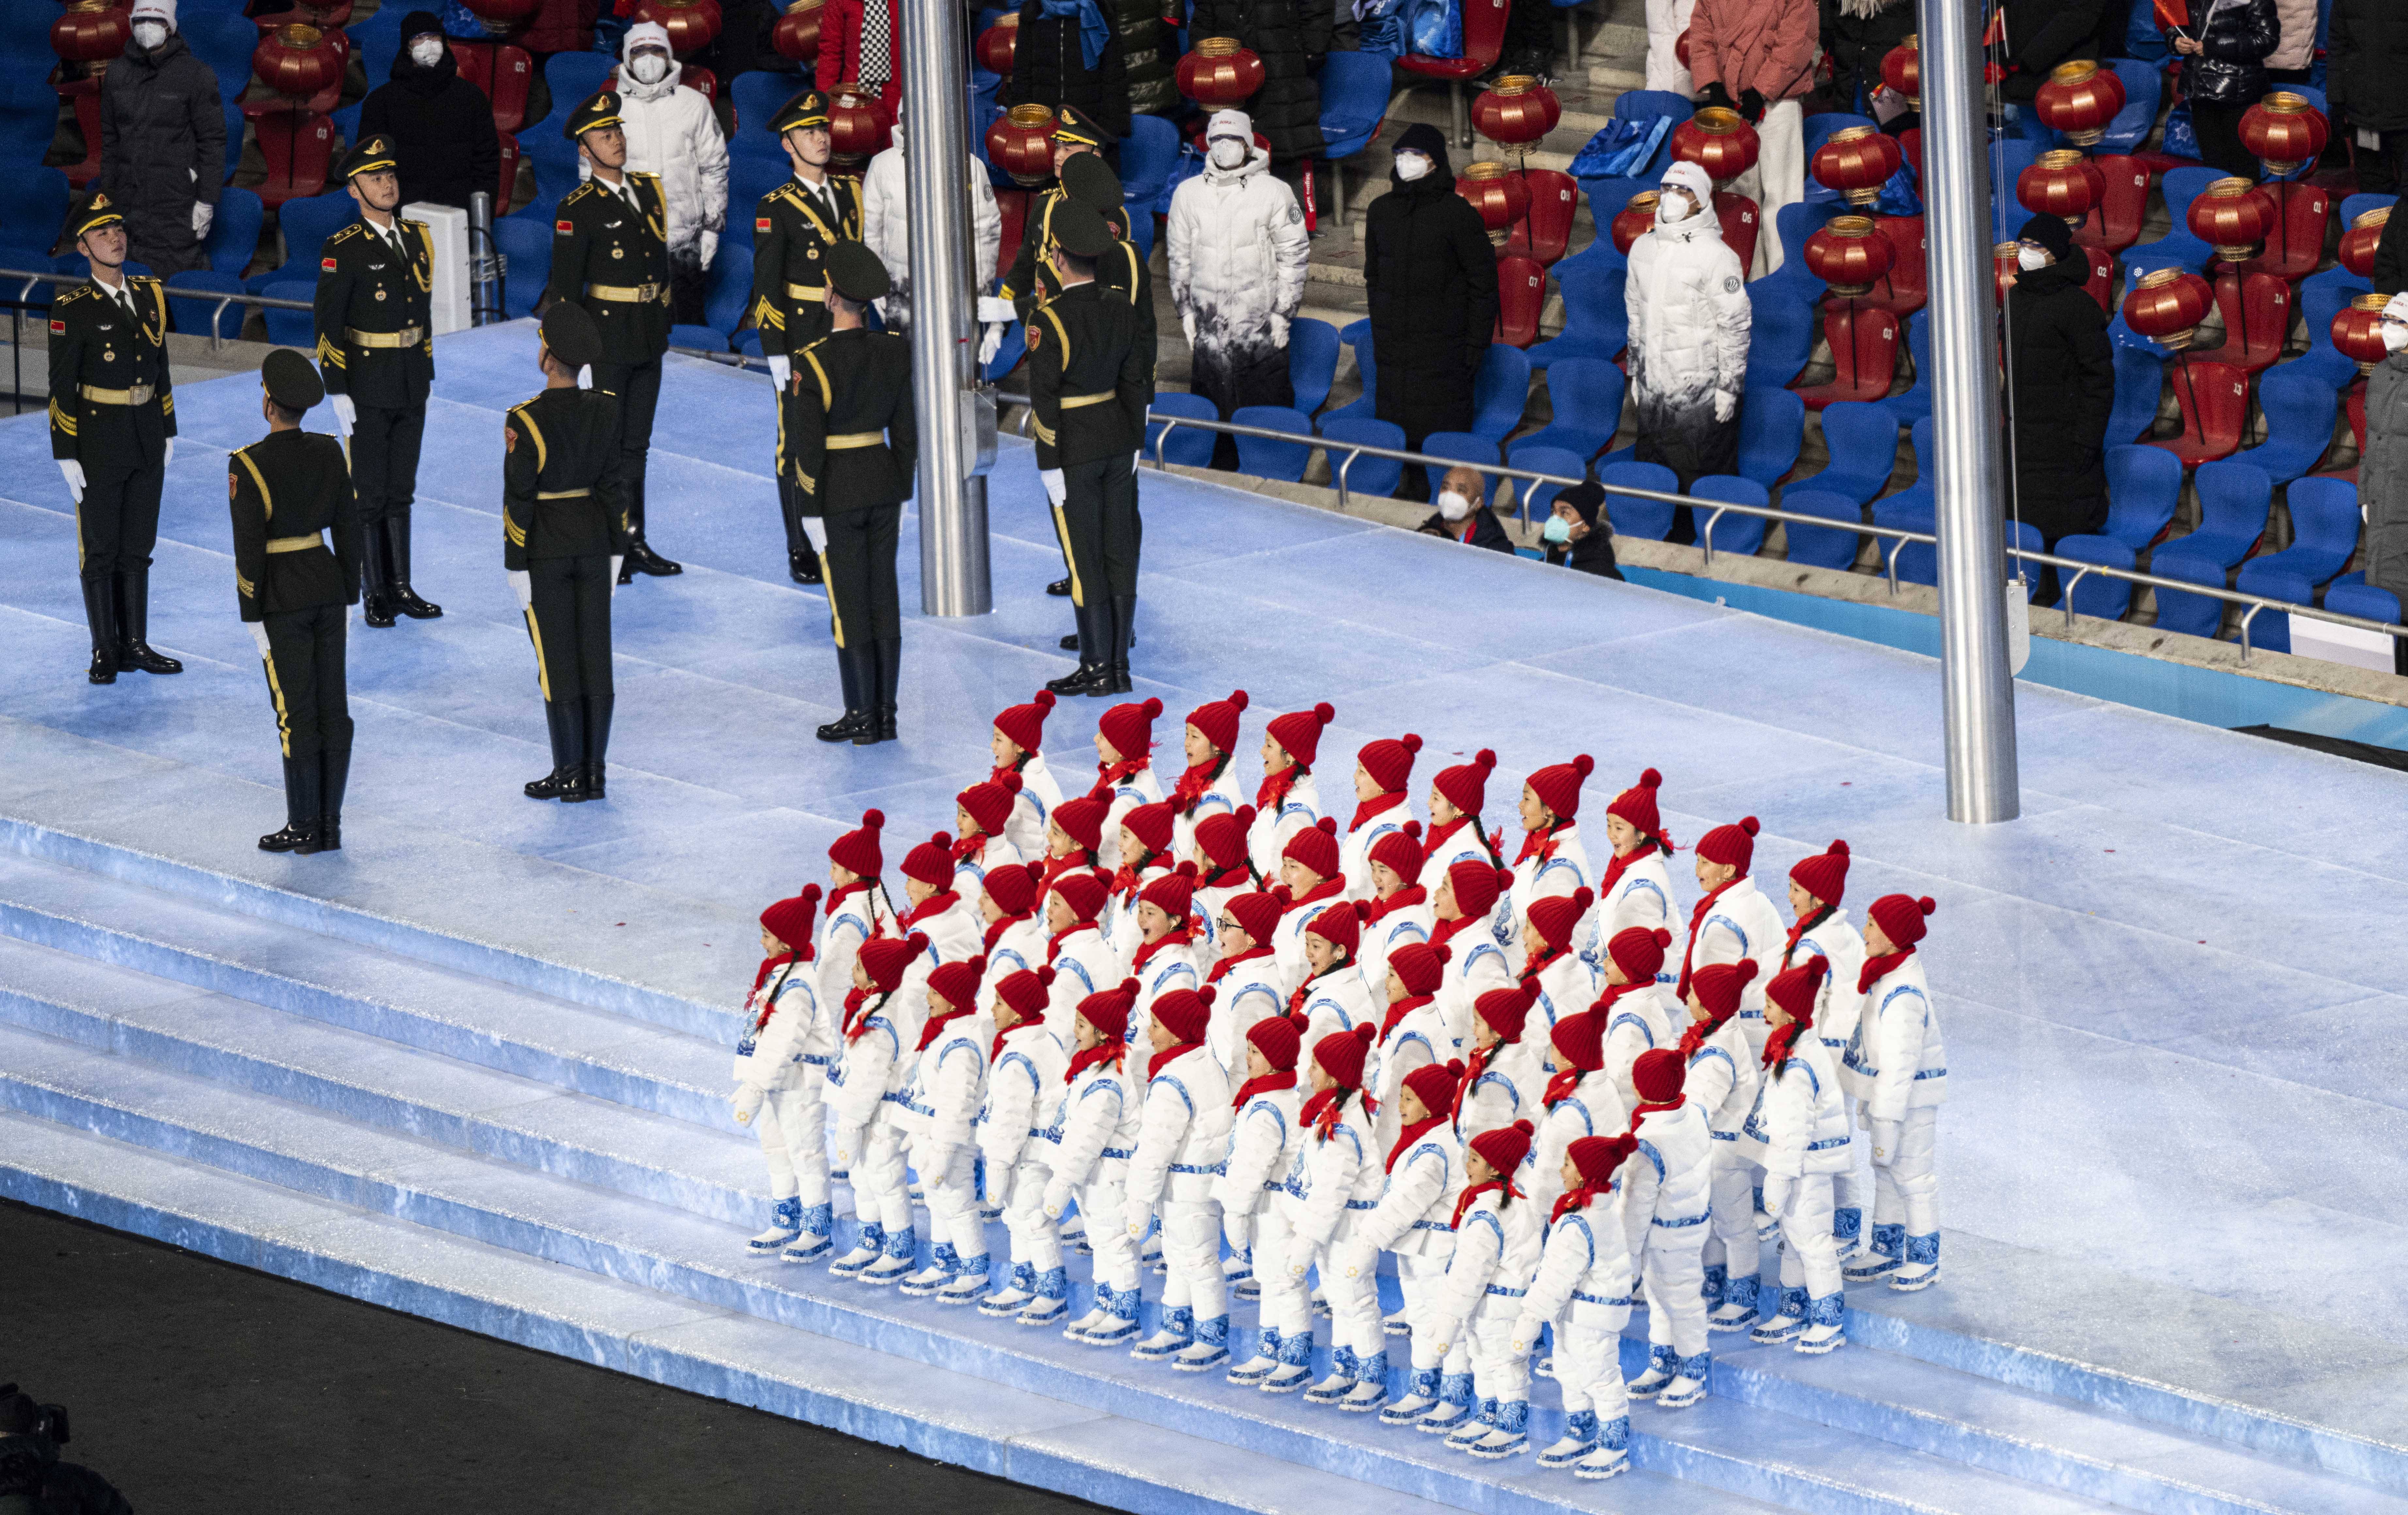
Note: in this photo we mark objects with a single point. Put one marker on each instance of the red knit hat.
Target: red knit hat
(1434, 1084)
(1717, 986)
(1299, 731)
(1316, 847)
(858, 851)
(1658, 1076)
(1223, 835)
(1107, 1010)
(1150, 824)
(1082, 819)
(931, 861)
(1505, 1009)
(790, 920)
(1130, 728)
(1257, 915)
(1421, 965)
(990, 803)
(1557, 916)
(1599, 1157)
(1476, 885)
(1637, 805)
(1558, 785)
(1185, 1011)
(1639, 951)
(1466, 784)
(1400, 851)
(1341, 924)
(1277, 1039)
(1825, 875)
(1171, 893)
(1013, 886)
(1026, 723)
(1390, 762)
(1341, 1055)
(1084, 891)
(1734, 845)
(1900, 918)
(884, 959)
(1793, 989)
(1218, 720)
(1504, 1148)
(1579, 1040)
(1027, 991)
(957, 984)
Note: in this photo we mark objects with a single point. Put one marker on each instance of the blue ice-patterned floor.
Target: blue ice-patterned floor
(2170, 990)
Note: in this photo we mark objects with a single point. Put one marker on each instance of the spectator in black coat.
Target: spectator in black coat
(2366, 79)
(1068, 53)
(1291, 37)
(2390, 273)
(442, 126)
(2064, 386)
(161, 143)
(1575, 539)
(2043, 33)
(1432, 280)
(1149, 54)
(2224, 53)
(1463, 514)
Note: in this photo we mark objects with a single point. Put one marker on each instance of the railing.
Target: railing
(25, 280)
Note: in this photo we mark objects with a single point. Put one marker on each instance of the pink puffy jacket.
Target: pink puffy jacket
(1767, 45)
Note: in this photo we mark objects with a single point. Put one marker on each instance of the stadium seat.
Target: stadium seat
(291, 328)
(1500, 392)
(749, 179)
(1463, 447)
(728, 293)
(1913, 404)
(1909, 510)
(2097, 594)
(1586, 395)
(298, 149)
(2256, 312)
(757, 95)
(2144, 489)
(2215, 400)
(1520, 295)
(1546, 230)
(573, 79)
(192, 317)
(1907, 287)
(1483, 38)
(2322, 297)
(1863, 443)
(1188, 447)
(233, 242)
(34, 204)
(2304, 214)
(1818, 546)
(1365, 475)
(692, 338)
(308, 223)
(1736, 532)
(2233, 498)
(1597, 319)
(376, 42)
(1645, 105)
(2115, 223)
(2324, 526)
(1781, 332)
(1311, 361)
(2178, 248)
(2144, 85)
(1817, 130)
(2352, 595)
(2139, 381)
(1643, 520)
(1358, 335)
(2193, 615)
(1863, 340)
(1539, 460)
(1147, 155)
(1354, 99)
(2009, 157)
(1265, 459)
(505, 72)
(1771, 427)
(2300, 410)
(526, 243)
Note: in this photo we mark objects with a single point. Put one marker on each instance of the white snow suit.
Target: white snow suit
(1237, 254)
(1686, 296)
(1183, 1143)
(886, 226)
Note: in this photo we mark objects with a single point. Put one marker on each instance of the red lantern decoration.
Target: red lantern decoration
(2358, 331)
(298, 61)
(2004, 264)
(796, 35)
(1515, 112)
(998, 43)
(1718, 140)
(1218, 71)
(2357, 244)
(90, 32)
(2167, 305)
(1681, 47)
(2285, 132)
(1856, 162)
(1850, 255)
(501, 15)
(1634, 220)
(2232, 215)
(1021, 143)
(857, 125)
(690, 24)
(2056, 185)
(1500, 195)
(1903, 71)
(2080, 99)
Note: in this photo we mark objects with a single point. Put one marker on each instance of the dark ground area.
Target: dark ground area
(2382, 757)
(197, 1387)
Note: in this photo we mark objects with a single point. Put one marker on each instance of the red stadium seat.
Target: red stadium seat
(1547, 229)
(2214, 398)
(299, 148)
(1742, 221)
(509, 176)
(1520, 295)
(1863, 344)
(1014, 205)
(2256, 309)
(2297, 243)
(1483, 38)
(2114, 223)
(2101, 284)
(1906, 288)
(503, 72)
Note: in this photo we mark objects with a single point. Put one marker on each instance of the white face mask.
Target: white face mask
(2031, 259)
(150, 34)
(1452, 505)
(1412, 165)
(426, 52)
(649, 68)
(2395, 336)
(1674, 206)
(1228, 152)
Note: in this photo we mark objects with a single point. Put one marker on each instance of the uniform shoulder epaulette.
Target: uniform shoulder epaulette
(786, 191)
(143, 281)
(637, 173)
(581, 192)
(413, 221)
(818, 341)
(346, 234)
(71, 295)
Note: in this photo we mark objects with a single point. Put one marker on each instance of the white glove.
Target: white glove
(258, 630)
(167, 453)
(747, 1103)
(1137, 1229)
(585, 376)
(1885, 1135)
(74, 472)
(202, 215)
(710, 248)
(1524, 1338)
(1187, 324)
(523, 587)
(347, 414)
(781, 368)
(615, 561)
(1055, 489)
(1725, 404)
(1778, 1189)
(999, 1188)
(991, 342)
(996, 311)
(846, 1140)
(1279, 330)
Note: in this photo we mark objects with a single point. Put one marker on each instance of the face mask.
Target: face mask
(1230, 152)
(1559, 531)
(649, 68)
(425, 50)
(1673, 208)
(1452, 505)
(2395, 336)
(2031, 259)
(1412, 165)
(150, 34)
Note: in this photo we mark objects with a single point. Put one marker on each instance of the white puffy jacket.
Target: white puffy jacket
(1275, 826)
(1642, 896)
(1094, 1135)
(1334, 1003)
(1084, 963)
(1584, 1272)
(796, 1037)
(1261, 1143)
(1837, 1004)
(1798, 1125)
(1593, 1109)
(1140, 788)
(1507, 1090)
(1640, 1021)
(1668, 1183)
(1689, 315)
(1020, 947)
(886, 226)
(948, 1083)
(1475, 964)
(1723, 1076)
(1038, 794)
(1559, 868)
(1743, 924)
(1021, 1090)
(1488, 1272)
(1398, 926)
(1416, 1205)
(1354, 849)
(851, 918)
(1896, 1058)
(1237, 254)
(1249, 991)
(1567, 986)
(1418, 1040)
(1329, 1182)
(1183, 1138)
(871, 1067)
(672, 132)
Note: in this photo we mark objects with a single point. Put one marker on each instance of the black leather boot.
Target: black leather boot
(890, 675)
(1123, 633)
(1070, 642)
(857, 670)
(134, 654)
(376, 575)
(597, 741)
(1059, 588)
(333, 773)
(566, 721)
(803, 565)
(100, 614)
(301, 807)
(404, 599)
(873, 685)
(1094, 672)
(640, 558)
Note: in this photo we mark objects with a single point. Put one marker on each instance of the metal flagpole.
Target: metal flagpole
(954, 579)
(1977, 692)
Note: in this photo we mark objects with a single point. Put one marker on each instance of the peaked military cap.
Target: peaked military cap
(1072, 124)
(1080, 228)
(290, 379)
(595, 113)
(569, 332)
(368, 156)
(92, 215)
(857, 273)
(1090, 181)
(809, 108)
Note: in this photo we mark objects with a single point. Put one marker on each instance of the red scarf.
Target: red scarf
(1274, 789)
(1178, 935)
(856, 1013)
(1805, 923)
(1109, 775)
(1876, 967)
(1438, 834)
(1278, 1079)
(1127, 881)
(1054, 943)
(1401, 1009)
(761, 978)
(1447, 930)
(1776, 1046)
(1648, 842)
(1577, 1199)
(1373, 807)
(1530, 971)
(1472, 1068)
(1563, 1085)
(1321, 890)
(1223, 966)
(929, 909)
(1106, 1051)
(1411, 1134)
(1698, 1031)
(1540, 844)
(966, 848)
(994, 1047)
(994, 933)
(1403, 899)
(1002, 769)
(1323, 1110)
(1192, 785)
(1613, 995)
(1645, 1110)
(1162, 1060)
(1473, 1193)
(839, 897)
(1055, 867)
(1304, 991)
(1222, 878)
(1696, 919)
(936, 1027)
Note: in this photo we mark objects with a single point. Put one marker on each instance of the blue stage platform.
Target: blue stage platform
(474, 1065)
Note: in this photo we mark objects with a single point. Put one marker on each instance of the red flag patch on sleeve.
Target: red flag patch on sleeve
(327, 264)
(761, 224)
(58, 328)
(564, 228)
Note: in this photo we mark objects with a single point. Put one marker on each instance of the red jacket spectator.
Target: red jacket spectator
(840, 24)
(1767, 45)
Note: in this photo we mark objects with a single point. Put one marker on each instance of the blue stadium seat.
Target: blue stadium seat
(234, 231)
(573, 79)
(526, 241)
(1187, 446)
(2143, 86)
(2324, 524)
(1265, 459)
(1644, 519)
(748, 179)
(2352, 595)
(1540, 459)
(2323, 296)
(2355, 205)
(1781, 332)
(223, 39)
(2009, 157)
(1500, 392)
(2140, 384)
(2193, 615)
(34, 202)
(1915, 404)
(291, 328)
(1008, 352)
(1147, 155)
(2178, 248)
(1586, 395)
(1818, 546)
(1909, 510)
(1597, 318)
(1367, 475)
(2109, 599)
(191, 318)
(1863, 443)
(2144, 489)
(1463, 447)
(1772, 426)
(1734, 533)
(2299, 410)
(1364, 407)
(1354, 99)
(1642, 105)
(376, 42)
(1311, 361)
(697, 338)
(306, 224)
(2233, 499)
(756, 94)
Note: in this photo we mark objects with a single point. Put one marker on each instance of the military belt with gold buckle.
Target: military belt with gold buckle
(296, 544)
(853, 439)
(628, 294)
(1076, 402)
(562, 494)
(138, 394)
(407, 336)
(817, 293)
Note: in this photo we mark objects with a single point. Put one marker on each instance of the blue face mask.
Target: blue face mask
(1557, 531)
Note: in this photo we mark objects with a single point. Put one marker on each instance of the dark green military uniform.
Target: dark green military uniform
(855, 438)
(112, 412)
(563, 519)
(1087, 178)
(793, 227)
(374, 315)
(1089, 381)
(611, 254)
(297, 558)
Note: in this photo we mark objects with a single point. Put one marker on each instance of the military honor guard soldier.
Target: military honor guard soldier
(297, 558)
(850, 428)
(1122, 271)
(793, 228)
(564, 530)
(112, 434)
(611, 254)
(376, 347)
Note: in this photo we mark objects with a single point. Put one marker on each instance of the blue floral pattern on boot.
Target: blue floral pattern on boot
(1923, 1251)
